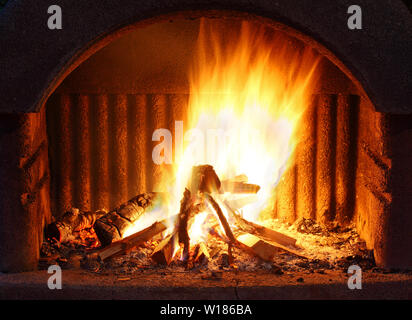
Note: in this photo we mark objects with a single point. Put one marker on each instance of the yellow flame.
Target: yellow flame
(248, 90)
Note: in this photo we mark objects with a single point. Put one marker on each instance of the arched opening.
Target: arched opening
(98, 110)
(102, 118)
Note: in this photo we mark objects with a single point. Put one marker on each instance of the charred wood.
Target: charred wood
(261, 231)
(163, 253)
(74, 220)
(111, 227)
(134, 240)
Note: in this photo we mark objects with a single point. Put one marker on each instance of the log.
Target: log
(122, 246)
(111, 227)
(231, 239)
(163, 253)
(201, 253)
(232, 244)
(182, 228)
(261, 231)
(189, 207)
(238, 187)
(225, 224)
(230, 254)
(74, 220)
(203, 179)
(259, 247)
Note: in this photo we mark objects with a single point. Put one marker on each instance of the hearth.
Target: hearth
(207, 139)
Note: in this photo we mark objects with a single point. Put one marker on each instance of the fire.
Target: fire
(248, 90)
(247, 94)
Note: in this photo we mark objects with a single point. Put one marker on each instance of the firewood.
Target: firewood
(203, 179)
(74, 220)
(230, 254)
(163, 253)
(240, 178)
(189, 206)
(185, 210)
(231, 239)
(238, 187)
(201, 253)
(261, 231)
(112, 226)
(225, 224)
(259, 247)
(122, 246)
(232, 243)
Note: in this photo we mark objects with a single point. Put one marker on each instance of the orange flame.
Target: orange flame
(248, 90)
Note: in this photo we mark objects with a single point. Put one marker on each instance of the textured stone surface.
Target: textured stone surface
(378, 56)
(24, 190)
(383, 186)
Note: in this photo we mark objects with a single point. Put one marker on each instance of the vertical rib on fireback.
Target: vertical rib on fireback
(320, 181)
(101, 146)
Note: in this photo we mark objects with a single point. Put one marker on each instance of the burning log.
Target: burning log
(111, 227)
(225, 224)
(261, 231)
(189, 207)
(185, 211)
(163, 253)
(260, 248)
(230, 254)
(201, 254)
(62, 230)
(238, 187)
(204, 179)
(122, 246)
(231, 239)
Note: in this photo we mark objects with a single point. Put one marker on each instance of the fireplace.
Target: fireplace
(80, 132)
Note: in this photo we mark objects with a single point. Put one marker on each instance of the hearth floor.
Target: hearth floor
(229, 285)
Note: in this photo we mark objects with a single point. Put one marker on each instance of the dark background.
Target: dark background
(408, 3)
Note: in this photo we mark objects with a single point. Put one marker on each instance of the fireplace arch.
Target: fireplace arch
(55, 56)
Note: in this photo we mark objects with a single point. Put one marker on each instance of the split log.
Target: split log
(201, 254)
(259, 247)
(232, 244)
(225, 224)
(240, 178)
(230, 254)
(203, 179)
(189, 206)
(182, 228)
(74, 220)
(231, 239)
(238, 187)
(122, 246)
(254, 229)
(261, 231)
(112, 226)
(163, 253)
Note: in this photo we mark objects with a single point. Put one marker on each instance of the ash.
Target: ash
(323, 248)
